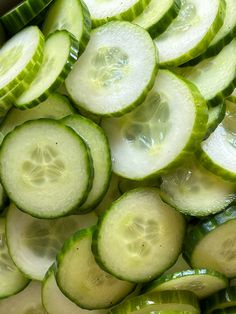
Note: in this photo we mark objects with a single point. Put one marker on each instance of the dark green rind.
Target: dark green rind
(146, 301)
(215, 117)
(72, 58)
(2, 35)
(3, 198)
(22, 14)
(89, 170)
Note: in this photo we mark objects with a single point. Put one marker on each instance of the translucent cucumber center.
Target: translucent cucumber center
(47, 65)
(228, 249)
(6, 264)
(96, 277)
(192, 284)
(147, 126)
(9, 58)
(110, 66)
(44, 165)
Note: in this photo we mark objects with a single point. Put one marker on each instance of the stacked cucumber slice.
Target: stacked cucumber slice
(118, 157)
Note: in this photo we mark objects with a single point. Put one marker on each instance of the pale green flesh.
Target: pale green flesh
(34, 243)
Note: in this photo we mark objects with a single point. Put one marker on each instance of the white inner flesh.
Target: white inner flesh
(137, 230)
(34, 242)
(17, 53)
(154, 134)
(102, 9)
(188, 29)
(222, 255)
(154, 11)
(207, 75)
(110, 75)
(52, 66)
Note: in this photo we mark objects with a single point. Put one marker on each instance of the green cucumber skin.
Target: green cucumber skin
(213, 125)
(87, 28)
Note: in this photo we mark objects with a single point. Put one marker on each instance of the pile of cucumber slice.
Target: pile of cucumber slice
(118, 157)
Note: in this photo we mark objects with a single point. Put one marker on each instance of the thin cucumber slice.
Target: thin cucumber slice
(45, 176)
(81, 279)
(173, 112)
(217, 152)
(97, 142)
(207, 75)
(158, 15)
(135, 229)
(199, 20)
(211, 243)
(34, 243)
(215, 117)
(232, 97)
(18, 17)
(53, 71)
(55, 302)
(26, 302)
(195, 191)
(18, 58)
(110, 78)
(202, 282)
(105, 11)
(12, 280)
(161, 301)
(180, 265)
(71, 15)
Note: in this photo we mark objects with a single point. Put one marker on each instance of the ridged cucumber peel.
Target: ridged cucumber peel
(217, 233)
(17, 18)
(198, 20)
(158, 15)
(222, 65)
(103, 12)
(162, 300)
(60, 64)
(143, 134)
(76, 264)
(139, 209)
(46, 167)
(20, 56)
(232, 97)
(93, 134)
(222, 300)
(111, 78)
(216, 115)
(202, 282)
(72, 15)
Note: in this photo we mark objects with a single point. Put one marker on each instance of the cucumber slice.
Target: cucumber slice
(26, 302)
(195, 191)
(81, 279)
(71, 15)
(34, 243)
(199, 20)
(105, 11)
(135, 229)
(111, 78)
(97, 142)
(19, 57)
(55, 68)
(55, 302)
(161, 301)
(126, 185)
(215, 116)
(207, 74)
(180, 265)
(158, 15)
(12, 280)
(232, 97)
(173, 112)
(18, 17)
(202, 282)
(46, 177)
(218, 234)
(217, 152)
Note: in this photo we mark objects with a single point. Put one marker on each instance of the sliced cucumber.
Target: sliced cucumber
(211, 243)
(215, 116)
(81, 279)
(202, 282)
(126, 185)
(105, 11)
(34, 243)
(195, 191)
(180, 265)
(173, 112)
(136, 229)
(71, 15)
(55, 68)
(97, 142)
(110, 78)
(158, 15)
(46, 177)
(199, 20)
(232, 97)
